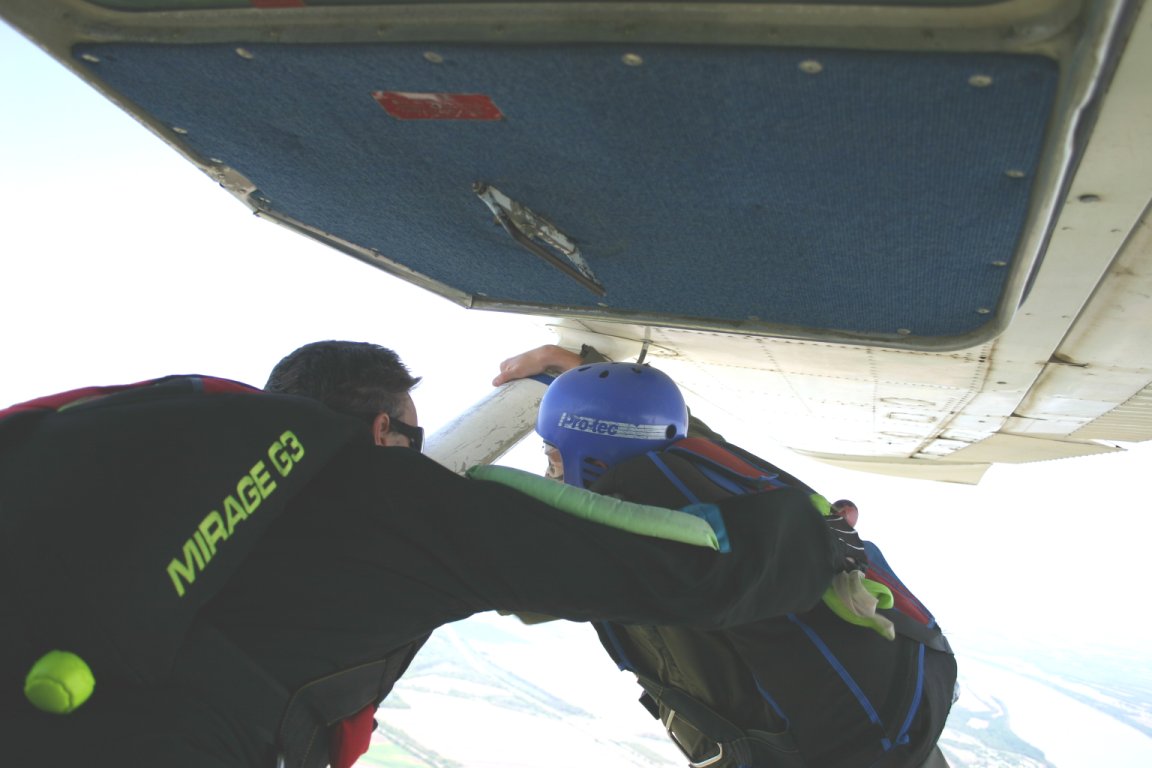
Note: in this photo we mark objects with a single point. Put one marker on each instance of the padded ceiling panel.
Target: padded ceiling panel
(694, 179)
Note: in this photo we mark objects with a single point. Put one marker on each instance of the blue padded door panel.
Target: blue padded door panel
(866, 193)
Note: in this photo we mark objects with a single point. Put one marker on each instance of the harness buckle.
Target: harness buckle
(676, 740)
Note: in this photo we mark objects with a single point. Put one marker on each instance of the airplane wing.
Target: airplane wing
(910, 238)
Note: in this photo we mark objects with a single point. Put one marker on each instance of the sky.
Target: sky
(120, 261)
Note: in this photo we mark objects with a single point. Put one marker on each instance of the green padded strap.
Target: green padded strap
(658, 522)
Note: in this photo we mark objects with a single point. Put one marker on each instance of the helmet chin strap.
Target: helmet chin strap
(586, 477)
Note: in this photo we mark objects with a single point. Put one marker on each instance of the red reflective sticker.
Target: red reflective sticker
(438, 106)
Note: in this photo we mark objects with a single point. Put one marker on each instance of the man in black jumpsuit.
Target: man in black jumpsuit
(380, 547)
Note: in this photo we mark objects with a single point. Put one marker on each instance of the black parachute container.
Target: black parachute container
(124, 509)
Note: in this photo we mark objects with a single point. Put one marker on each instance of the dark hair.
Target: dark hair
(348, 376)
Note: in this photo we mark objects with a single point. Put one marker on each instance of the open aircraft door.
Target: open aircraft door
(913, 233)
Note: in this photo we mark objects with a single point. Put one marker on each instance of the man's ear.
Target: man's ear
(381, 426)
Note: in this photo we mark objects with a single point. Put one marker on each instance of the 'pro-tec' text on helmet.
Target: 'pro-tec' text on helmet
(599, 415)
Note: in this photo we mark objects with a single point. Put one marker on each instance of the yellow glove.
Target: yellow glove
(855, 599)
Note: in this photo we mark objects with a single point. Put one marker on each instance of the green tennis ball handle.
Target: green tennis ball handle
(60, 682)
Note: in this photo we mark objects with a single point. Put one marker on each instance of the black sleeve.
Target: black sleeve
(495, 548)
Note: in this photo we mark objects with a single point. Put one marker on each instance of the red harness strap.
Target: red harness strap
(350, 738)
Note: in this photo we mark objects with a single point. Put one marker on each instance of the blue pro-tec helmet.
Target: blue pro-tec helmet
(599, 415)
